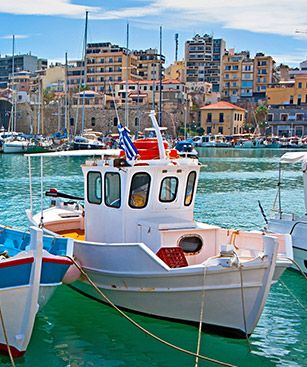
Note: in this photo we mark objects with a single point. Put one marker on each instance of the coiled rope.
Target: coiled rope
(6, 339)
(147, 332)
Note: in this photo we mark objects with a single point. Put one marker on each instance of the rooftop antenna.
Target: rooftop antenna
(176, 46)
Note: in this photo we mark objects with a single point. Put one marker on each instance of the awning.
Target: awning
(294, 157)
(78, 153)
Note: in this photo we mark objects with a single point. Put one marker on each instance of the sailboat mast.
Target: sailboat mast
(13, 125)
(160, 80)
(85, 71)
(66, 96)
(127, 77)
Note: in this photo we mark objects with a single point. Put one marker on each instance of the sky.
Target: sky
(49, 28)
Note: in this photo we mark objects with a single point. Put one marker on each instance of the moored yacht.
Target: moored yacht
(137, 239)
(285, 222)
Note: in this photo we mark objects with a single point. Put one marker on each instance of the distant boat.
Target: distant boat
(31, 267)
(88, 140)
(15, 146)
(285, 222)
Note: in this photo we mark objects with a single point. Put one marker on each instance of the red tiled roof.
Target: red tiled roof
(222, 105)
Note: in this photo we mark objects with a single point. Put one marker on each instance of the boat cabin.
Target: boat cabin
(131, 202)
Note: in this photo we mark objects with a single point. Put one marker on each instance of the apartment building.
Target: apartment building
(26, 62)
(149, 63)
(107, 64)
(263, 72)
(244, 77)
(147, 91)
(203, 58)
(176, 71)
(75, 75)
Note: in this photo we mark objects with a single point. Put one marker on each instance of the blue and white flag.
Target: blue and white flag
(126, 144)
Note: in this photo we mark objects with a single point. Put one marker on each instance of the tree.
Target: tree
(260, 114)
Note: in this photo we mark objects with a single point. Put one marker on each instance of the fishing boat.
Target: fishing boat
(15, 145)
(285, 222)
(31, 267)
(186, 149)
(137, 239)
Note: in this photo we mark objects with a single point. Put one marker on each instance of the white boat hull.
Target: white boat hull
(11, 148)
(147, 286)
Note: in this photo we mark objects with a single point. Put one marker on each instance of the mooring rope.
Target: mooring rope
(147, 332)
(201, 316)
(6, 339)
(298, 267)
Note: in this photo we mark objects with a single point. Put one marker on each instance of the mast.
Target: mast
(14, 115)
(39, 106)
(160, 80)
(66, 96)
(85, 71)
(127, 76)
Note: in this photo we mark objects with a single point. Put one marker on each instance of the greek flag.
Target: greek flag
(126, 144)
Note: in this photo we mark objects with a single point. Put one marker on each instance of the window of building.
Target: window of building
(221, 117)
(299, 117)
(270, 117)
(291, 99)
(136, 121)
(115, 121)
(299, 130)
(300, 85)
(299, 99)
(209, 117)
(168, 190)
(94, 194)
(189, 191)
(284, 117)
(221, 130)
(209, 129)
(139, 191)
(93, 121)
(112, 194)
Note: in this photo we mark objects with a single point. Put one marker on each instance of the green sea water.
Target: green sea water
(75, 331)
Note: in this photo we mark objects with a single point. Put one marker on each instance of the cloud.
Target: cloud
(63, 8)
(17, 36)
(280, 17)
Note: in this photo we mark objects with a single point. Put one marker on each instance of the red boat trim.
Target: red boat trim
(16, 262)
(15, 352)
(57, 260)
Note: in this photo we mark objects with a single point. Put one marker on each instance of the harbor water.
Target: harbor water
(76, 331)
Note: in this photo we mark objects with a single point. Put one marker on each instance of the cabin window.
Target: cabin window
(139, 191)
(112, 195)
(188, 198)
(168, 190)
(94, 193)
(190, 244)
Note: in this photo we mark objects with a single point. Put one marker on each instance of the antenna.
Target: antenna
(176, 46)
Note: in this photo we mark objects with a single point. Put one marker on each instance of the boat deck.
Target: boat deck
(76, 234)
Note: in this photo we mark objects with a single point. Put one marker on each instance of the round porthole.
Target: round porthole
(190, 244)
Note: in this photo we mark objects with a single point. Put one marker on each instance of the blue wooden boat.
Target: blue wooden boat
(31, 267)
